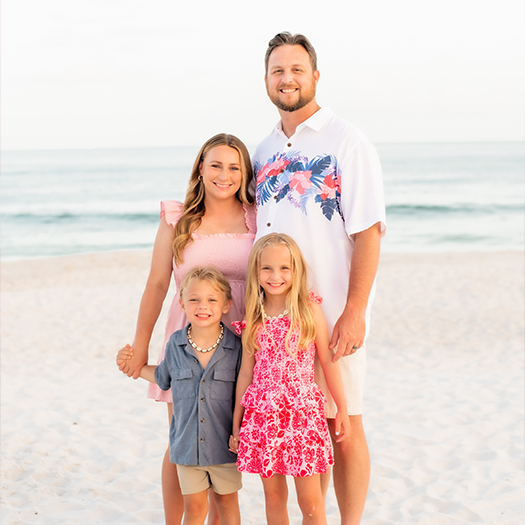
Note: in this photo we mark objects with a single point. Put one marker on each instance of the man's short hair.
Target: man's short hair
(286, 38)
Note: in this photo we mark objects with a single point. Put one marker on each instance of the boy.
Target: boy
(201, 365)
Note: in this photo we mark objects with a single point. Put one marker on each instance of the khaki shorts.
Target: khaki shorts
(223, 479)
(353, 371)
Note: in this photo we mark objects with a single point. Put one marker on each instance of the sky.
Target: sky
(156, 73)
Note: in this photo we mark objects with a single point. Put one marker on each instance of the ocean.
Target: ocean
(440, 197)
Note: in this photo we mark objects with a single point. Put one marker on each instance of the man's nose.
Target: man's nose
(288, 77)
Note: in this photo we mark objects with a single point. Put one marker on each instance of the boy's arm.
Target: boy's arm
(147, 372)
(332, 374)
(244, 380)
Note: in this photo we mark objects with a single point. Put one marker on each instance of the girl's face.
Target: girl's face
(221, 173)
(204, 304)
(275, 271)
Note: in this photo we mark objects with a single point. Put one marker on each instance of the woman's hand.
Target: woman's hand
(130, 362)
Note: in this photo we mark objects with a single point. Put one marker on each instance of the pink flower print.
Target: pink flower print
(272, 169)
(239, 326)
(330, 187)
(300, 180)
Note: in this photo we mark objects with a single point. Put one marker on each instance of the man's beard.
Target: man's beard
(304, 98)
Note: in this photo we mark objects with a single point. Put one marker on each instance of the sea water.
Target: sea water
(439, 197)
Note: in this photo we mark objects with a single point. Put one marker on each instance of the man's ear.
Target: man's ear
(316, 76)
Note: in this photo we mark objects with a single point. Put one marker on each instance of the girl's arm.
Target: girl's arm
(244, 380)
(153, 297)
(332, 374)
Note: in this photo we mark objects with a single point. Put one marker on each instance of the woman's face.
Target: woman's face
(221, 173)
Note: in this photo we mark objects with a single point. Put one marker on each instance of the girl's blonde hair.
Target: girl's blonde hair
(298, 302)
(193, 208)
(210, 274)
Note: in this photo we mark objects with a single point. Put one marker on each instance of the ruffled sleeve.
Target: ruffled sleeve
(171, 211)
(239, 326)
(250, 218)
(315, 298)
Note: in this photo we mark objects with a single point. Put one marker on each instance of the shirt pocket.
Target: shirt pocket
(182, 383)
(223, 385)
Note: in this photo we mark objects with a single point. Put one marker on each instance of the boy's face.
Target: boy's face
(204, 304)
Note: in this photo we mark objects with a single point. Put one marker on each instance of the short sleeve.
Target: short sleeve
(239, 326)
(250, 217)
(171, 211)
(162, 376)
(362, 200)
(315, 298)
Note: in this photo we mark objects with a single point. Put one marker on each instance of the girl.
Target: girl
(201, 363)
(215, 226)
(284, 430)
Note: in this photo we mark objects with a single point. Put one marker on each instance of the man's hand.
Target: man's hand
(348, 334)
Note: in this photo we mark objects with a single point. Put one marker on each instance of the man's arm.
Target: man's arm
(349, 330)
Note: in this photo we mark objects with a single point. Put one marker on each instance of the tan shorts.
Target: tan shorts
(353, 371)
(223, 479)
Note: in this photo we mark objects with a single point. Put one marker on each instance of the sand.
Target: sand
(444, 407)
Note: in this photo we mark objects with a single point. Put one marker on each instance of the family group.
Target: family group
(274, 260)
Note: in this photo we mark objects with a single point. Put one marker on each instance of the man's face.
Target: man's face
(290, 81)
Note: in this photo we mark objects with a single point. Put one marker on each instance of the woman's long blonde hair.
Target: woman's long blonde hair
(193, 208)
(298, 302)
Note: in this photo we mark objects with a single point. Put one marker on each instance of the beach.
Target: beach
(444, 397)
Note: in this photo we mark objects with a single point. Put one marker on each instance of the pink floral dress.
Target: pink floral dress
(284, 429)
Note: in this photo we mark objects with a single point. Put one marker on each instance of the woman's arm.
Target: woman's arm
(153, 297)
(332, 374)
(244, 380)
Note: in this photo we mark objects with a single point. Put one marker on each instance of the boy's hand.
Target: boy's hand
(124, 354)
(342, 426)
(234, 443)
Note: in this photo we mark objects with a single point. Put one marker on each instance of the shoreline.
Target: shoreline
(444, 395)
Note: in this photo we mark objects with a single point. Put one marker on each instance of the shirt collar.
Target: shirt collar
(315, 122)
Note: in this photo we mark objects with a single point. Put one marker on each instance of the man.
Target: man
(319, 181)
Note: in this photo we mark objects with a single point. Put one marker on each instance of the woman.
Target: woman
(215, 226)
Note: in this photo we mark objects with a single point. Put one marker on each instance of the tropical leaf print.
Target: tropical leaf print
(292, 176)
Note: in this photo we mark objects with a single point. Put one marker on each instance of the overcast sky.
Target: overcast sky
(139, 73)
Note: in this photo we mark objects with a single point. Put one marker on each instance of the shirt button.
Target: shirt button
(202, 439)
(268, 224)
(275, 197)
(202, 381)
(202, 420)
(202, 400)
(289, 144)
(196, 360)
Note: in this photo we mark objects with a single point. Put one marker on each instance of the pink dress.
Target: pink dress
(228, 252)
(284, 429)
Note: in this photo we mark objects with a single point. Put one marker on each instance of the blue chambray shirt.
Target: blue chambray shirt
(203, 400)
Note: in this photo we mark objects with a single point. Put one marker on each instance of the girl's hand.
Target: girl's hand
(234, 442)
(342, 426)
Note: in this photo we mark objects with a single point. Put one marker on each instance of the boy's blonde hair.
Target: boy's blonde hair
(298, 302)
(210, 274)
